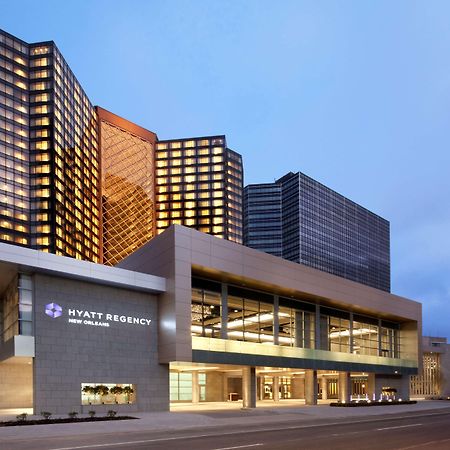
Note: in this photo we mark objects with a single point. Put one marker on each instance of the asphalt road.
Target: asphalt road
(421, 430)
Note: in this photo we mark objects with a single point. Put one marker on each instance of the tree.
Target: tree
(127, 390)
(101, 390)
(89, 390)
(116, 390)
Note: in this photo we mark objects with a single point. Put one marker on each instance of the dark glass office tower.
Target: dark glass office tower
(262, 217)
(319, 228)
(199, 183)
(49, 158)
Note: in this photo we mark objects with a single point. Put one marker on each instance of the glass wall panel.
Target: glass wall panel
(205, 312)
(339, 335)
(296, 326)
(250, 320)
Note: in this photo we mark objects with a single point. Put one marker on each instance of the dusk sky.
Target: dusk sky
(355, 94)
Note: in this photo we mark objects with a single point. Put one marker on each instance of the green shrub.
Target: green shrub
(46, 415)
(22, 417)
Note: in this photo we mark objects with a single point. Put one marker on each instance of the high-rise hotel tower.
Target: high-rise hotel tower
(49, 157)
(79, 181)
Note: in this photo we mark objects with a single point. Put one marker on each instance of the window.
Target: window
(107, 393)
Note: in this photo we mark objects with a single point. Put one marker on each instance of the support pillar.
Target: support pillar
(224, 312)
(195, 388)
(276, 389)
(311, 387)
(276, 319)
(324, 388)
(249, 387)
(371, 389)
(344, 387)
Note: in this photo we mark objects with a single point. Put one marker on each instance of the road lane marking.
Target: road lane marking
(424, 444)
(149, 441)
(116, 444)
(400, 426)
(239, 446)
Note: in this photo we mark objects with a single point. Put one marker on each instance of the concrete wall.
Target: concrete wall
(399, 382)
(69, 354)
(215, 388)
(16, 385)
(159, 257)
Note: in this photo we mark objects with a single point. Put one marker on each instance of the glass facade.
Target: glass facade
(127, 192)
(16, 308)
(199, 185)
(262, 218)
(49, 160)
(14, 141)
(319, 228)
(260, 317)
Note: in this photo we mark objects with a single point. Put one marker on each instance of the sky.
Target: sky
(355, 94)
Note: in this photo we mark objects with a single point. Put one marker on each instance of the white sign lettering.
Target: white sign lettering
(100, 319)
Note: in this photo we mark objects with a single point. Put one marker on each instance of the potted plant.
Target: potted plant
(101, 390)
(89, 390)
(116, 390)
(127, 390)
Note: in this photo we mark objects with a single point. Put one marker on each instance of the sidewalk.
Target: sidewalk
(206, 417)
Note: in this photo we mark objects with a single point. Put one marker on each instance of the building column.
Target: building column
(261, 387)
(311, 387)
(317, 344)
(249, 387)
(405, 386)
(371, 388)
(276, 388)
(224, 312)
(276, 321)
(195, 387)
(344, 387)
(324, 388)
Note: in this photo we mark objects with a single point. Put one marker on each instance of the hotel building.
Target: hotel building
(199, 184)
(304, 221)
(49, 160)
(191, 317)
(77, 180)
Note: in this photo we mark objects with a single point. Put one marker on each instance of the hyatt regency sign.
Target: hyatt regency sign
(93, 318)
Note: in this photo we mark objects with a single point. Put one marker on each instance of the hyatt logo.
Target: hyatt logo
(53, 310)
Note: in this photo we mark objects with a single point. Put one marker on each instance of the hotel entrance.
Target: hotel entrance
(270, 384)
(195, 383)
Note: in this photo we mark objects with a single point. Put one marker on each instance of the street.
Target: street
(402, 431)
